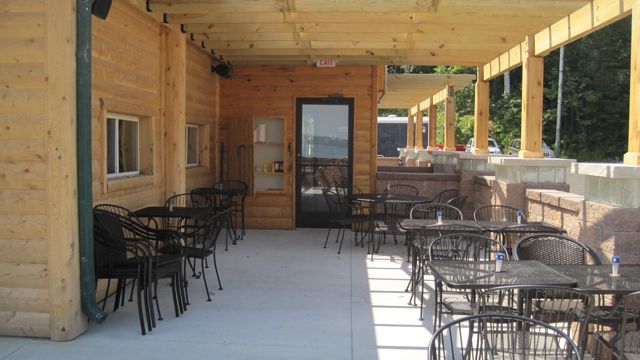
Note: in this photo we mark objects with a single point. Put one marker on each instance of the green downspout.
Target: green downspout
(83, 140)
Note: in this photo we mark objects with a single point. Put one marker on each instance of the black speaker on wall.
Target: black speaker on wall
(100, 8)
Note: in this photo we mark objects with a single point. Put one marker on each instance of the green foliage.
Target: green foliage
(595, 110)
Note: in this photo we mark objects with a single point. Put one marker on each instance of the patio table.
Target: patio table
(193, 213)
(503, 226)
(375, 198)
(597, 279)
(473, 275)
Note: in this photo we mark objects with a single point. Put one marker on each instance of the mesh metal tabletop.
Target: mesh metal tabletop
(597, 279)
(382, 198)
(503, 226)
(177, 212)
(482, 275)
(420, 223)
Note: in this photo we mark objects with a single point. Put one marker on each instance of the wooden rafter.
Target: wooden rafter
(425, 32)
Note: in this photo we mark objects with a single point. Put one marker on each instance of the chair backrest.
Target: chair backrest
(236, 189)
(428, 233)
(215, 227)
(110, 239)
(496, 213)
(180, 200)
(559, 306)
(428, 211)
(335, 204)
(501, 336)
(512, 233)
(462, 246)
(403, 189)
(628, 342)
(445, 195)
(553, 249)
(458, 201)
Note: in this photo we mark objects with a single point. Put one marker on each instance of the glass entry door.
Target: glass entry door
(324, 155)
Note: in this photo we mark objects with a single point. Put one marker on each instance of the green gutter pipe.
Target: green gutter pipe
(83, 140)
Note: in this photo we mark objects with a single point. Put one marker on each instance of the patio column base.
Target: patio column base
(632, 158)
(611, 184)
(515, 175)
(478, 151)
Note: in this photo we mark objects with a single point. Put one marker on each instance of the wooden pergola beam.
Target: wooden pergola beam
(632, 157)
(578, 24)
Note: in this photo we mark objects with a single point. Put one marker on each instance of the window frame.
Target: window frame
(118, 118)
(186, 145)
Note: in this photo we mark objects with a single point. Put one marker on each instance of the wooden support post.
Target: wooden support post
(633, 156)
(66, 320)
(376, 73)
(410, 142)
(532, 87)
(481, 119)
(433, 126)
(450, 120)
(419, 124)
(175, 92)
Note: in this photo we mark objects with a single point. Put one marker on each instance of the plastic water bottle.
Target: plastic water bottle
(499, 260)
(439, 217)
(615, 264)
(520, 217)
(170, 205)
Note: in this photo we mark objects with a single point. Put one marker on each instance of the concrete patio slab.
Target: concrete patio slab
(284, 297)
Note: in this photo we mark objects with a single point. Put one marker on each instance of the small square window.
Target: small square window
(191, 143)
(122, 145)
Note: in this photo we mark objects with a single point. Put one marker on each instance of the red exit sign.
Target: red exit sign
(326, 63)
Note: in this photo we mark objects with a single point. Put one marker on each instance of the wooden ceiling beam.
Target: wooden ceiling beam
(512, 18)
(578, 24)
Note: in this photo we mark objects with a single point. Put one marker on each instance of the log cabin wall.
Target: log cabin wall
(271, 91)
(131, 61)
(202, 110)
(39, 283)
(127, 79)
(39, 264)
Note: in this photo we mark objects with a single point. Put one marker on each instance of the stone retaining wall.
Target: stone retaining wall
(607, 229)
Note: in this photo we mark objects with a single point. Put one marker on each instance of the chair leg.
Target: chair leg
(242, 214)
(204, 277)
(215, 266)
(131, 294)
(327, 238)
(140, 312)
(155, 291)
(106, 294)
(174, 293)
(341, 240)
(116, 302)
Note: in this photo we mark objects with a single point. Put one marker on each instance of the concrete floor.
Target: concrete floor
(284, 297)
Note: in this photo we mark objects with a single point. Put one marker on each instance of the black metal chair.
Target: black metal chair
(458, 202)
(496, 213)
(238, 191)
(445, 195)
(463, 247)
(127, 249)
(565, 308)
(403, 189)
(201, 244)
(554, 249)
(429, 211)
(509, 235)
(386, 217)
(501, 336)
(216, 201)
(624, 340)
(343, 214)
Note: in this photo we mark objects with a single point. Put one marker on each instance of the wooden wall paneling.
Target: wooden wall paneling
(202, 109)
(128, 78)
(272, 91)
(67, 319)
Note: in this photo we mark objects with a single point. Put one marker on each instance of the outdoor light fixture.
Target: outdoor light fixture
(223, 70)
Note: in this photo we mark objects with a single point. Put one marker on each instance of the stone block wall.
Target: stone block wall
(468, 188)
(482, 187)
(607, 229)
